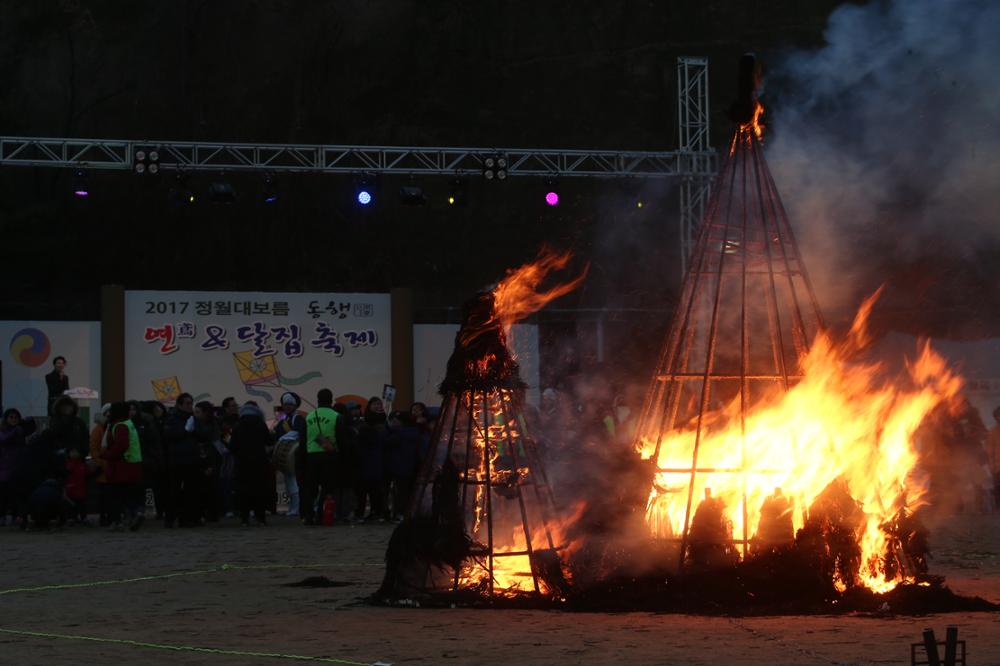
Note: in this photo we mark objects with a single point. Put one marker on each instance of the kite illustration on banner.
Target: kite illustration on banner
(258, 373)
(166, 389)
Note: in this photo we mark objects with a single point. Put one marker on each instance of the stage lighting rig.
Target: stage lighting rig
(495, 166)
(147, 160)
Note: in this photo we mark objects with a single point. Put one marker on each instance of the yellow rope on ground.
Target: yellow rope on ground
(96, 583)
(182, 648)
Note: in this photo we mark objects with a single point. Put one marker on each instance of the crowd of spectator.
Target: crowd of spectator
(200, 464)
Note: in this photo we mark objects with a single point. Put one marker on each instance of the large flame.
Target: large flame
(844, 419)
(755, 124)
(506, 527)
(503, 437)
(751, 129)
(518, 294)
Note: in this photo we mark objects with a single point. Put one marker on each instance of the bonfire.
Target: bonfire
(484, 520)
(766, 430)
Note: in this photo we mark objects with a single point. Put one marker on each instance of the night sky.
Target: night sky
(587, 74)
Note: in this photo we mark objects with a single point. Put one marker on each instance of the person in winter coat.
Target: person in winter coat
(208, 434)
(36, 462)
(226, 487)
(11, 445)
(76, 486)
(248, 443)
(290, 434)
(150, 440)
(183, 471)
(123, 455)
(48, 503)
(348, 464)
(402, 459)
(371, 451)
(420, 419)
(154, 457)
(96, 449)
(67, 430)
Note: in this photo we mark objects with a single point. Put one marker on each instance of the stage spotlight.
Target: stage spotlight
(412, 195)
(181, 193)
(80, 188)
(270, 189)
(147, 160)
(364, 192)
(551, 194)
(495, 167)
(221, 192)
(456, 196)
(638, 204)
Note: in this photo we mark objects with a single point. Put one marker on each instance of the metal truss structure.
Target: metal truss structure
(106, 154)
(693, 139)
(694, 162)
(746, 314)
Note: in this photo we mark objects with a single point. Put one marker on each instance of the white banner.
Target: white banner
(31, 346)
(255, 346)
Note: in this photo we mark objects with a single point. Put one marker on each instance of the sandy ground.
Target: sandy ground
(252, 609)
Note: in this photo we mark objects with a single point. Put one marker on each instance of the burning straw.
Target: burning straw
(483, 523)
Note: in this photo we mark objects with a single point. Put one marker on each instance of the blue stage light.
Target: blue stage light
(364, 197)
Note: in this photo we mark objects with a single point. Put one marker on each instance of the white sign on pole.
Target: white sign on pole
(255, 346)
(30, 348)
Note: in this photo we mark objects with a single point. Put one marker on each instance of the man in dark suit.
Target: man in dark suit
(57, 381)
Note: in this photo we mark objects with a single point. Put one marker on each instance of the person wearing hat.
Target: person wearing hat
(248, 444)
(290, 433)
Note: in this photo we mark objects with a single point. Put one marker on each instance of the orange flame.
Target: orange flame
(512, 574)
(518, 294)
(496, 432)
(845, 419)
(755, 123)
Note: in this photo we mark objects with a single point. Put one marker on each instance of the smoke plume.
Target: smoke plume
(886, 142)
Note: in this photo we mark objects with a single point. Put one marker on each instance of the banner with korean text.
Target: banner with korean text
(255, 346)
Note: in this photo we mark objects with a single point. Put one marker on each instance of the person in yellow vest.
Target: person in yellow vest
(321, 455)
(123, 458)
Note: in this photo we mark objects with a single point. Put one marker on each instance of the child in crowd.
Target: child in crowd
(76, 486)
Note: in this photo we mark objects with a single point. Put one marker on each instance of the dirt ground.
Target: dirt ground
(231, 595)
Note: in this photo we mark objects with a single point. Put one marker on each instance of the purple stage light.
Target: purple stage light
(552, 199)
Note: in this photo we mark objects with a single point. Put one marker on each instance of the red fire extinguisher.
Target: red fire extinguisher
(329, 510)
